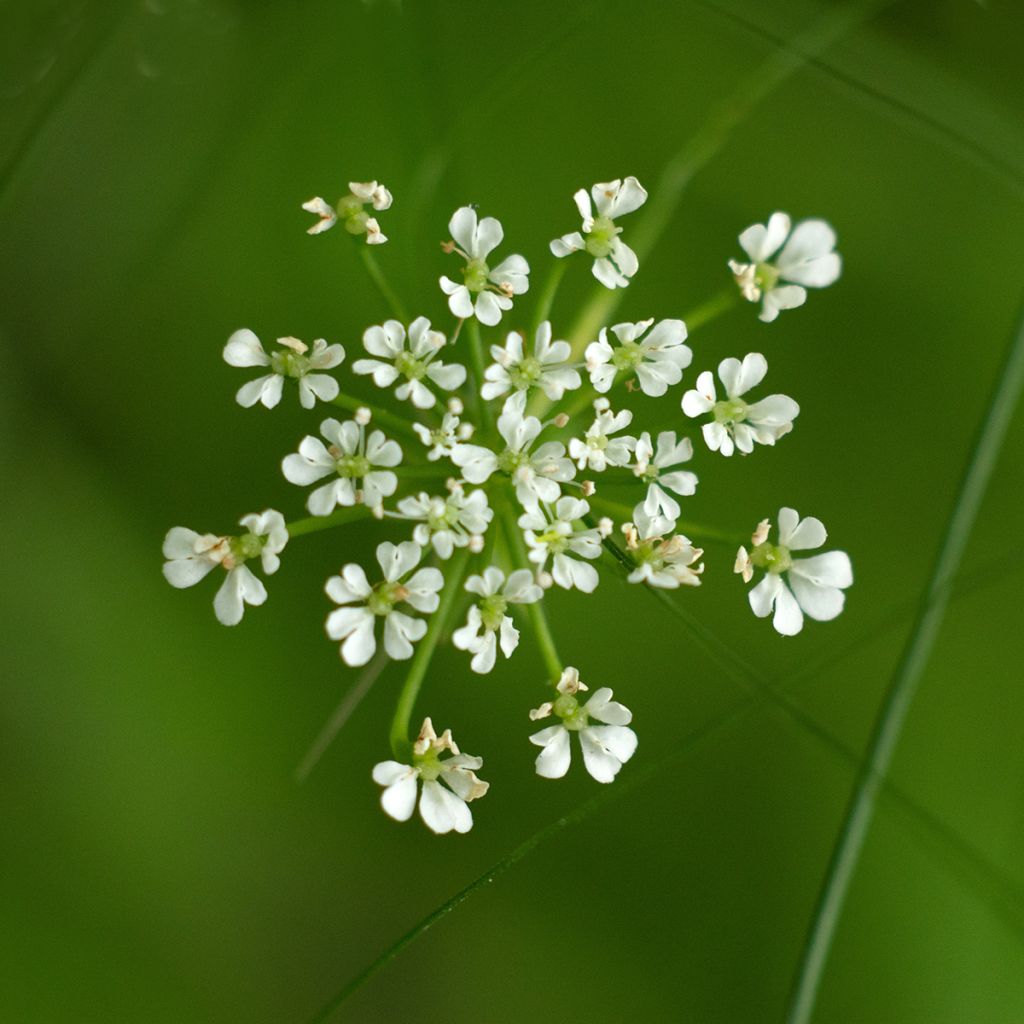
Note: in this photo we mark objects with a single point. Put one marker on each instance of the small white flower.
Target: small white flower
(606, 747)
(598, 449)
(547, 367)
(556, 537)
(442, 441)
(414, 365)
(614, 262)
(362, 604)
(484, 292)
(487, 625)
(190, 556)
(537, 474)
(349, 210)
(292, 360)
(650, 467)
(793, 587)
(354, 458)
(734, 423)
(447, 522)
(442, 807)
(658, 357)
(661, 561)
(780, 279)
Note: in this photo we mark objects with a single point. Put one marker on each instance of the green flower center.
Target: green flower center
(429, 765)
(289, 364)
(601, 236)
(385, 596)
(766, 276)
(353, 466)
(556, 541)
(475, 275)
(410, 367)
(509, 461)
(492, 611)
(249, 545)
(525, 373)
(442, 516)
(730, 411)
(771, 557)
(628, 356)
(571, 712)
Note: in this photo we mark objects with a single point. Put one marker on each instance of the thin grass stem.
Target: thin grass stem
(377, 275)
(314, 524)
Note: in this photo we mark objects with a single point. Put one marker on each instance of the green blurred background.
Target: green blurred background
(158, 863)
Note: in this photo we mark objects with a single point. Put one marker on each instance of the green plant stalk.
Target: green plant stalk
(314, 524)
(456, 572)
(695, 530)
(373, 268)
(379, 417)
(476, 352)
(893, 712)
(546, 297)
(722, 302)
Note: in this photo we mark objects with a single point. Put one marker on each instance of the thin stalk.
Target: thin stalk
(476, 352)
(314, 524)
(456, 571)
(893, 712)
(695, 530)
(381, 417)
(390, 296)
(546, 297)
(713, 308)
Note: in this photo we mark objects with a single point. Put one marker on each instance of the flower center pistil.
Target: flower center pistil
(771, 557)
(410, 367)
(525, 373)
(601, 236)
(249, 545)
(571, 712)
(289, 364)
(628, 356)
(730, 411)
(475, 275)
(385, 596)
(492, 611)
(351, 467)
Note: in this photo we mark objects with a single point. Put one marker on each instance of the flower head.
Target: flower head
(484, 292)
(354, 459)
(191, 556)
(350, 210)
(442, 807)
(362, 605)
(598, 449)
(293, 360)
(414, 364)
(606, 747)
(735, 424)
(487, 623)
(614, 262)
(554, 535)
(650, 467)
(794, 587)
(546, 368)
(783, 265)
(662, 561)
(442, 441)
(447, 522)
(657, 357)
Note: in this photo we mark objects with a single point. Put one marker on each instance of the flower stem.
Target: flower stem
(547, 293)
(710, 310)
(400, 741)
(314, 524)
(383, 418)
(476, 350)
(388, 293)
(691, 529)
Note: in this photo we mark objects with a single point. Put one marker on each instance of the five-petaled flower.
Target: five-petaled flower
(555, 535)
(650, 467)
(783, 265)
(614, 262)
(350, 210)
(598, 450)
(454, 520)
(442, 807)
(606, 747)
(546, 367)
(657, 357)
(661, 561)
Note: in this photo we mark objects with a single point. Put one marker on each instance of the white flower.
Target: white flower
(442, 807)
(349, 210)
(413, 365)
(486, 623)
(779, 280)
(536, 474)
(443, 441)
(793, 587)
(557, 538)
(735, 424)
(546, 368)
(614, 262)
(484, 292)
(362, 604)
(447, 522)
(244, 349)
(651, 465)
(354, 458)
(598, 449)
(658, 357)
(665, 562)
(606, 748)
(190, 556)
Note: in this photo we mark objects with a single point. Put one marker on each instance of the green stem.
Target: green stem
(476, 351)
(456, 571)
(714, 307)
(696, 530)
(893, 712)
(314, 524)
(388, 293)
(383, 418)
(547, 294)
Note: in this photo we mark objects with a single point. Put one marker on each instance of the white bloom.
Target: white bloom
(735, 424)
(598, 449)
(780, 279)
(606, 747)
(442, 807)
(447, 522)
(650, 467)
(537, 474)
(556, 537)
(443, 441)
(486, 623)
(190, 556)
(349, 210)
(658, 357)
(414, 365)
(547, 367)
(793, 587)
(484, 292)
(661, 561)
(614, 262)
(355, 459)
(244, 349)
(362, 604)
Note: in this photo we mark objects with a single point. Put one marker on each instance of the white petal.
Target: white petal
(399, 799)
(789, 619)
(243, 348)
(553, 761)
(831, 569)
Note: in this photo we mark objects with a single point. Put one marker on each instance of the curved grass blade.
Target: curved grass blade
(916, 653)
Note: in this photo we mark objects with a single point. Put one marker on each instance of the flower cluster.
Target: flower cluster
(513, 467)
